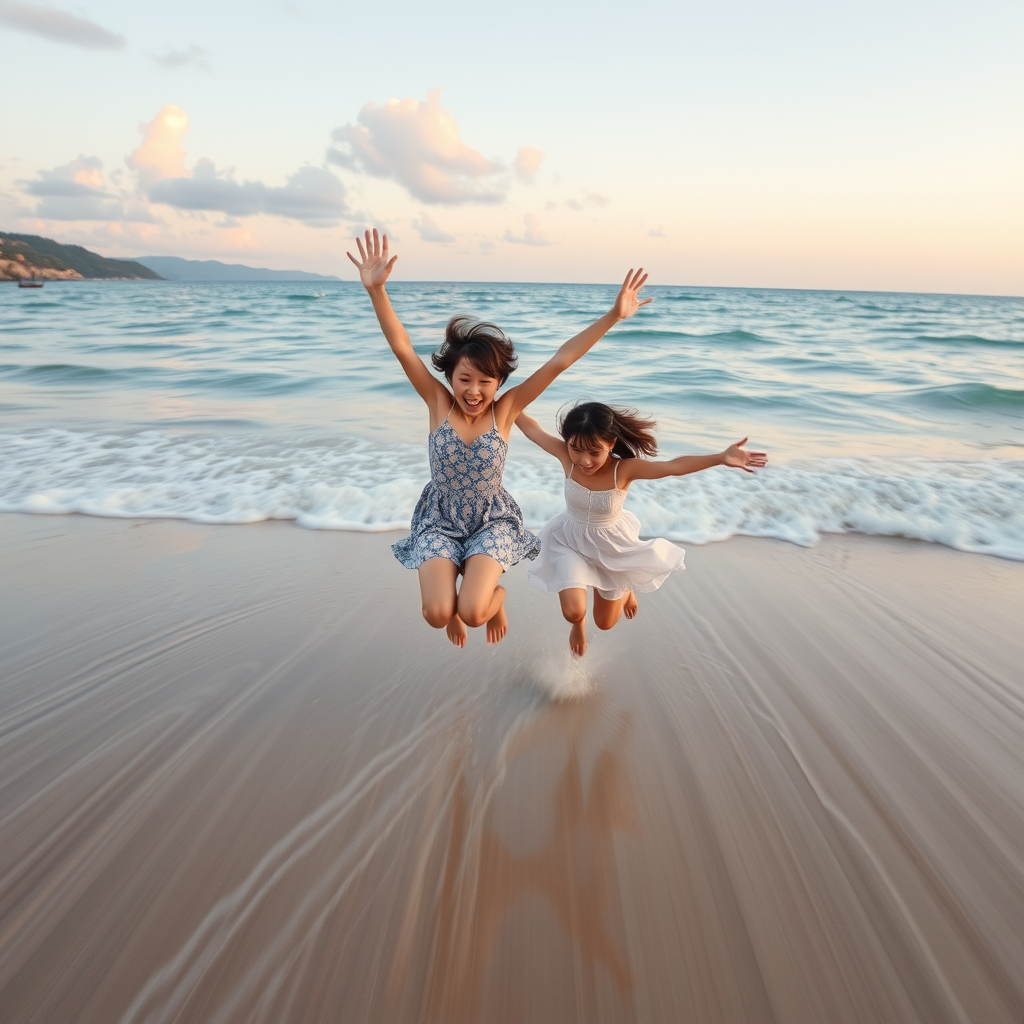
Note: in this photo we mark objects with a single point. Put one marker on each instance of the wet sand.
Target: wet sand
(241, 780)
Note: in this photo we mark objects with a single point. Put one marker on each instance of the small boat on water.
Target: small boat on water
(30, 282)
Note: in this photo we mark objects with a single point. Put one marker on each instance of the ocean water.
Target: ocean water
(233, 403)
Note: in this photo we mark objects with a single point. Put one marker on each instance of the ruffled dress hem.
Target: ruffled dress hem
(464, 510)
(596, 544)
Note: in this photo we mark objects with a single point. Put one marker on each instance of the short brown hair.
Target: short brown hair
(484, 345)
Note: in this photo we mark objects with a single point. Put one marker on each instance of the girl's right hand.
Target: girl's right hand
(627, 302)
(375, 267)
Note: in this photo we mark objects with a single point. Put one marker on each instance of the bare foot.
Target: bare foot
(630, 608)
(578, 638)
(497, 624)
(456, 630)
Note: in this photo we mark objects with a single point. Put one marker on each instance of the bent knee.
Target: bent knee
(605, 621)
(574, 607)
(438, 615)
(574, 612)
(473, 616)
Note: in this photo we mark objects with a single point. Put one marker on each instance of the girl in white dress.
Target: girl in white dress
(595, 542)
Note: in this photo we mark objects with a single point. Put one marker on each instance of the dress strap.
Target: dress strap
(494, 422)
(449, 414)
(571, 468)
(615, 474)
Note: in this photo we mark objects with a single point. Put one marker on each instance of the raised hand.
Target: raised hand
(738, 456)
(628, 301)
(374, 267)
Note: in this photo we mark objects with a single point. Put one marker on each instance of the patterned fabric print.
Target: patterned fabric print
(464, 510)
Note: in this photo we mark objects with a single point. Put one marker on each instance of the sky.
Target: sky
(736, 143)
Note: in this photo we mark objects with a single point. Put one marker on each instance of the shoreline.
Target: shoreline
(239, 776)
(331, 481)
(392, 533)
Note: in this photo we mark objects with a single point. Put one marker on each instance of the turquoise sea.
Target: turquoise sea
(883, 413)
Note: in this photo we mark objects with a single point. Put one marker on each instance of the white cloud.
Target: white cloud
(429, 231)
(658, 232)
(417, 140)
(161, 154)
(533, 234)
(589, 199)
(418, 145)
(173, 60)
(78, 191)
(527, 163)
(58, 26)
(83, 176)
(312, 195)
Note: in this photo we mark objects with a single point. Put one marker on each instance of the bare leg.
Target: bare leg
(437, 591)
(481, 599)
(574, 609)
(607, 613)
(497, 623)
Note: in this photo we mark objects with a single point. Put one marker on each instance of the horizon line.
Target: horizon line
(331, 279)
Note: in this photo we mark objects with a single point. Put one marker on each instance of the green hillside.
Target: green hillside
(48, 255)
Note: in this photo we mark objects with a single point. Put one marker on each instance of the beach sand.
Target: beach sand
(241, 780)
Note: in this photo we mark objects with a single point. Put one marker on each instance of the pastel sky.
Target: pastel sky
(791, 144)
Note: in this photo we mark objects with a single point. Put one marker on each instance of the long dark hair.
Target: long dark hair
(631, 434)
(483, 344)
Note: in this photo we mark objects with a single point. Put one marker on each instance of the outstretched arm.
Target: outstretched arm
(516, 399)
(539, 436)
(735, 455)
(374, 269)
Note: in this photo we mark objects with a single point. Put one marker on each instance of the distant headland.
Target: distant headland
(32, 256)
(23, 257)
(173, 268)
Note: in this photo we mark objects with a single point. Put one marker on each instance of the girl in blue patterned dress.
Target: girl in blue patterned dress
(465, 521)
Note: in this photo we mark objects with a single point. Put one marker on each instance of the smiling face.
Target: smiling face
(473, 389)
(591, 455)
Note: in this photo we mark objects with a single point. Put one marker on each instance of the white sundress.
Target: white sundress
(596, 543)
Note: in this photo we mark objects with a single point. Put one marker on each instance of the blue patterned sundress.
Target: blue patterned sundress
(464, 510)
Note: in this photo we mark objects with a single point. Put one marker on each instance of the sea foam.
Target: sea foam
(351, 483)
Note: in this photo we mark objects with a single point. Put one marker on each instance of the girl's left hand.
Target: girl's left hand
(628, 302)
(374, 263)
(738, 456)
